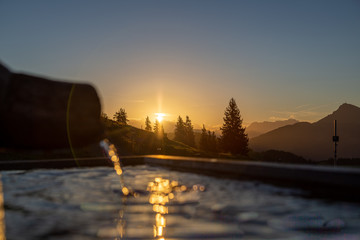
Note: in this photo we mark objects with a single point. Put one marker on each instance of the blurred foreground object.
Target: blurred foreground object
(40, 113)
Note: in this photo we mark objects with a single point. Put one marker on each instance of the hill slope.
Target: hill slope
(130, 140)
(314, 140)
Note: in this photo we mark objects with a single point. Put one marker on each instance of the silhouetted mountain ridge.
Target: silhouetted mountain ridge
(257, 128)
(314, 140)
(346, 113)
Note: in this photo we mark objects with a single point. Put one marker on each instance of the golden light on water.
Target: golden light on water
(114, 158)
(161, 193)
(111, 152)
(125, 191)
(160, 209)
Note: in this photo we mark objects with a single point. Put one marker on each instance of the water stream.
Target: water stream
(111, 152)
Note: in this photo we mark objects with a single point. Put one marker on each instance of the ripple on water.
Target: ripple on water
(89, 204)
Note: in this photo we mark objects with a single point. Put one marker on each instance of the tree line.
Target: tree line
(208, 141)
(233, 138)
(158, 127)
(119, 117)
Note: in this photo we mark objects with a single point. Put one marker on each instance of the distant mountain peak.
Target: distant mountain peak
(345, 113)
(347, 107)
(287, 121)
(314, 140)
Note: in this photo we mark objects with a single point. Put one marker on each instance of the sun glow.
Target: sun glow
(160, 116)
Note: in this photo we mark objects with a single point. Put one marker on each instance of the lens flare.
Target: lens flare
(160, 116)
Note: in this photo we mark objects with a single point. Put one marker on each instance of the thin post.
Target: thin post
(335, 140)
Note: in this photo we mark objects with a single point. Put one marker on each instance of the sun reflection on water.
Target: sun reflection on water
(160, 190)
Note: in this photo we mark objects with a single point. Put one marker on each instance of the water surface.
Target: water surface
(89, 203)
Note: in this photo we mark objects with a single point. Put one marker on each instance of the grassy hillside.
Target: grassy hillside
(130, 140)
(127, 139)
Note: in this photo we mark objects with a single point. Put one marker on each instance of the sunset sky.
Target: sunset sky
(278, 59)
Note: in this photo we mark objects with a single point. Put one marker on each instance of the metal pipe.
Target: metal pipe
(36, 112)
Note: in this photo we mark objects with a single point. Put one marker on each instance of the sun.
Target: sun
(160, 116)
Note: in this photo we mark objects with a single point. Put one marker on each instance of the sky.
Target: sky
(278, 59)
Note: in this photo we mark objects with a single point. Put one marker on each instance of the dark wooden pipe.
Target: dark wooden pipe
(40, 113)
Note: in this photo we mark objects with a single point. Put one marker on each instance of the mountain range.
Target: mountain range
(257, 128)
(314, 140)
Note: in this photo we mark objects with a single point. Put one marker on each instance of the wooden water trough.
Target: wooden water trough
(339, 182)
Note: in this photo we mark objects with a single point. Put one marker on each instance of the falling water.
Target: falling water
(111, 153)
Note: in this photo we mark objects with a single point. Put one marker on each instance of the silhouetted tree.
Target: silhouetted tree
(180, 131)
(233, 137)
(121, 117)
(213, 142)
(158, 129)
(156, 126)
(104, 116)
(162, 132)
(189, 133)
(204, 140)
(148, 124)
(208, 141)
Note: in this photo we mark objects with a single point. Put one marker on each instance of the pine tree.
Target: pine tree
(213, 142)
(208, 141)
(158, 129)
(180, 132)
(104, 116)
(156, 126)
(234, 139)
(204, 139)
(162, 132)
(148, 124)
(121, 117)
(189, 133)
